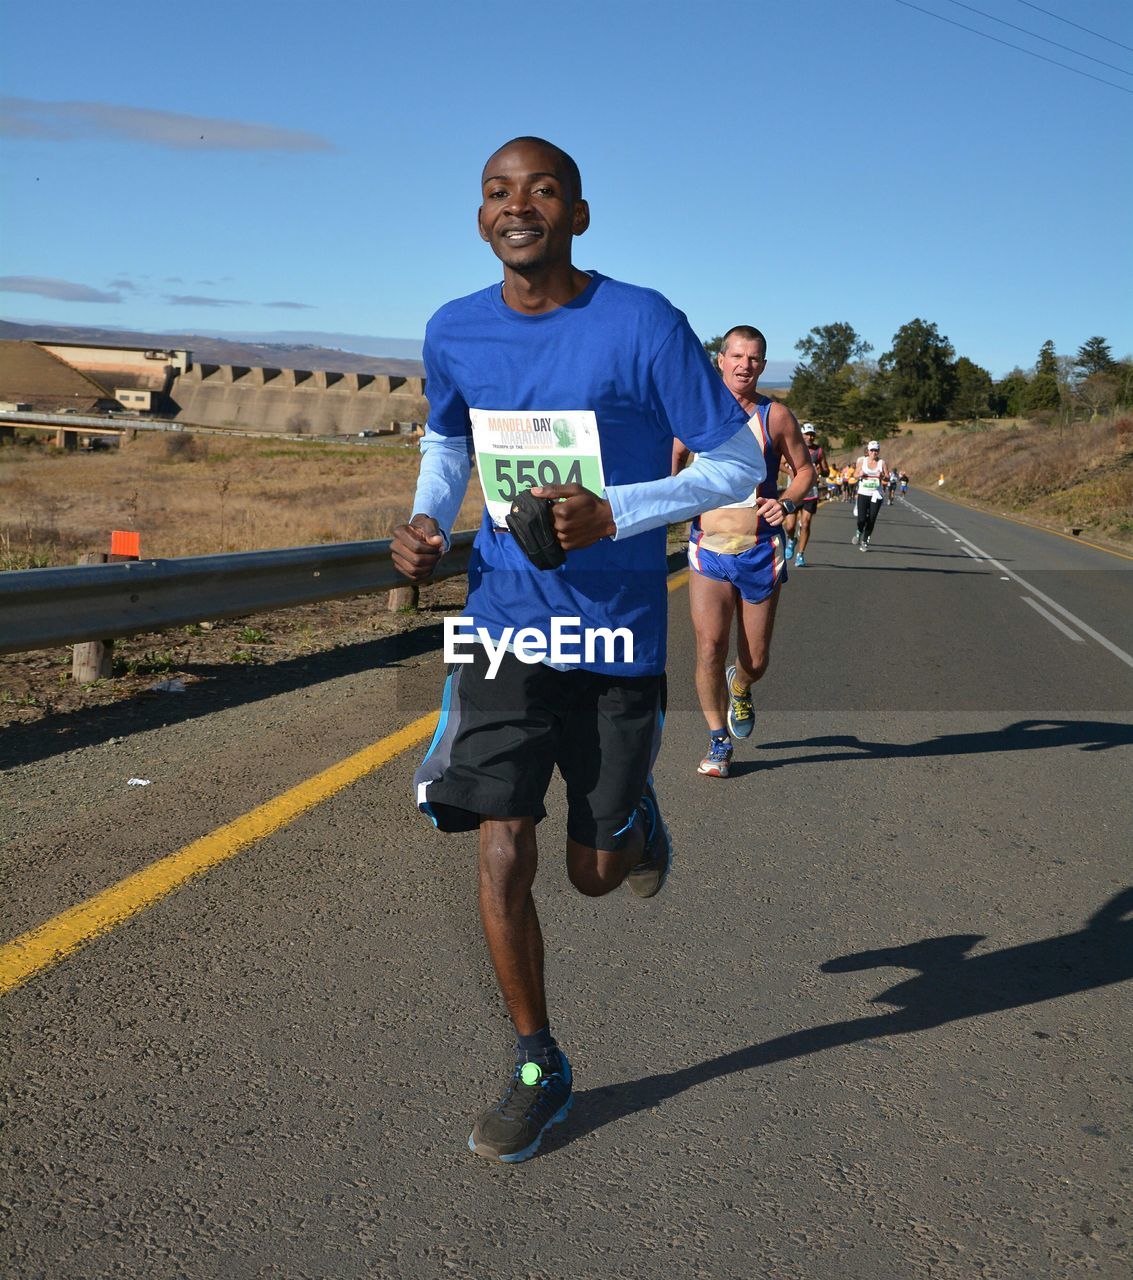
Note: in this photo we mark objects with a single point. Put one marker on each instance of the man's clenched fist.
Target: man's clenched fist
(416, 547)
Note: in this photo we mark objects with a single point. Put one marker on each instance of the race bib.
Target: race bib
(869, 484)
(518, 449)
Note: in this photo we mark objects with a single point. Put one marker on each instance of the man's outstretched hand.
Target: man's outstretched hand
(581, 519)
(416, 547)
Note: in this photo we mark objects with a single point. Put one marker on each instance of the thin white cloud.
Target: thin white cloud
(292, 306)
(25, 118)
(60, 290)
(193, 300)
(124, 283)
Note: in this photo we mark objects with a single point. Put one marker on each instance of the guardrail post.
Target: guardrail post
(95, 659)
(403, 598)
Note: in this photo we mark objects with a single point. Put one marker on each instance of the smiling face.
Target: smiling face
(742, 361)
(531, 208)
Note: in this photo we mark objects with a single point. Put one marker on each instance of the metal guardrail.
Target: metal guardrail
(42, 608)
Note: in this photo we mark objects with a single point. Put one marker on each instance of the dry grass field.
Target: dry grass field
(197, 495)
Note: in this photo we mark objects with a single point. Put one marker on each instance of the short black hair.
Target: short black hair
(571, 174)
(749, 334)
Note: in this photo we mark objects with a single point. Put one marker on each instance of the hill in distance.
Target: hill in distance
(280, 355)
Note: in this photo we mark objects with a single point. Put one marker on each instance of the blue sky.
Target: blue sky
(263, 167)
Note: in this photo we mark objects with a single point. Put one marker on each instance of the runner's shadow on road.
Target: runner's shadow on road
(1023, 735)
(950, 985)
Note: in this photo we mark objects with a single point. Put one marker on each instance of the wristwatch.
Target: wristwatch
(788, 506)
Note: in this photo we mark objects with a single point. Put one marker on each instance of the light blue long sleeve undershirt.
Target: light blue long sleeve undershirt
(718, 476)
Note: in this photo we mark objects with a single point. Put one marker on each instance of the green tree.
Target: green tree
(822, 377)
(1094, 356)
(827, 349)
(1009, 395)
(919, 364)
(868, 411)
(801, 395)
(712, 346)
(971, 399)
(827, 402)
(1043, 391)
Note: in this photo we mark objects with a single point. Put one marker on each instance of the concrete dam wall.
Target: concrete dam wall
(295, 401)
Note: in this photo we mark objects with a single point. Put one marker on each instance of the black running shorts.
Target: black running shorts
(809, 504)
(498, 742)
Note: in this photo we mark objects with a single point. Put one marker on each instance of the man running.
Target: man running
(871, 473)
(798, 523)
(736, 556)
(577, 382)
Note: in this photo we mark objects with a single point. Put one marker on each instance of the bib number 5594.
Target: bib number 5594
(515, 474)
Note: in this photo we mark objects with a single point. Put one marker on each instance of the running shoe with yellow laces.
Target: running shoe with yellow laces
(741, 717)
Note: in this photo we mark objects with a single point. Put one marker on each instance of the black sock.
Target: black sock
(540, 1047)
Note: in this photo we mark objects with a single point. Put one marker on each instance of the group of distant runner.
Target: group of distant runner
(841, 483)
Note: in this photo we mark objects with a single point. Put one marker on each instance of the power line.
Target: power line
(1041, 56)
(1087, 30)
(1035, 36)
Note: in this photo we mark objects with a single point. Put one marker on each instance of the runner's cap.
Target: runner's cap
(872, 445)
(808, 429)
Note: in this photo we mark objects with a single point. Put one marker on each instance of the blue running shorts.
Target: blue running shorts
(754, 573)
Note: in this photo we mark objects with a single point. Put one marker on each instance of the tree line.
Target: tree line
(838, 387)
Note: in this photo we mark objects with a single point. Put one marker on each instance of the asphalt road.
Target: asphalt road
(877, 1025)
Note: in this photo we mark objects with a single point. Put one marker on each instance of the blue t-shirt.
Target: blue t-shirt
(628, 355)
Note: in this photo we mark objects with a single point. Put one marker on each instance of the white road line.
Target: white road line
(971, 553)
(1054, 622)
(1010, 573)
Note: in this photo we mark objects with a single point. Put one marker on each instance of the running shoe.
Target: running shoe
(790, 548)
(741, 718)
(856, 539)
(715, 763)
(536, 1098)
(648, 877)
(800, 563)
(865, 545)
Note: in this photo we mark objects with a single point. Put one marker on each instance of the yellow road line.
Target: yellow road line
(678, 579)
(57, 938)
(1028, 524)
